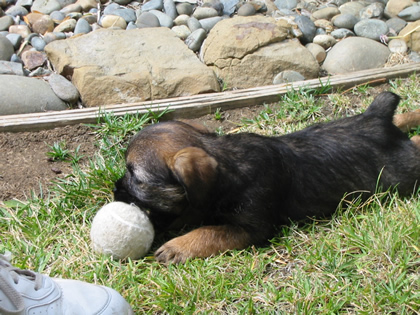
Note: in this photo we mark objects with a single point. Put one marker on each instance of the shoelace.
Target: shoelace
(15, 273)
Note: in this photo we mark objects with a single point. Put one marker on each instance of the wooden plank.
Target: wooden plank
(197, 105)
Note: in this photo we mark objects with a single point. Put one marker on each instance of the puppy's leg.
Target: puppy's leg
(203, 242)
(407, 121)
(416, 140)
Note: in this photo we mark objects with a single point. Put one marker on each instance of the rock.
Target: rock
(317, 51)
(215, 4)
(324, 24)
(209, 23)
(410, 14)
(395, 25)
(152, 5)
(246, 10)
(5, 22)
(22, 30)
(63, 88)
(113, 21)
(181, 31)
(373, 11)
(6, 49)
(393, 7)
(195, 39)
(288, 76)
(16, 10)
(193, 24)
(38, 43)
(354, 54)
(397, 46)
(101, 78)
(109, 10)
(40, 23)
(204, 13)
(229, 6)
(341, 33)
(307, 28)
(49, 37)
(45, 6)
(57, 16)
(33, 59)
(87, 4)
(413, 39)
(128, 15)
(181, 20)
(345, 21)
(15, 39)
(250, 51)
(352, 8)
(7, 67)
(34, 96)
(326, 13)
(184, 8)
(325, 41)
(372, 29)
(147, 19)
(122, 2)
(71, 8)
(82, 27)
(285, 4)
(66, 26)
(170, 9)
(164, 19)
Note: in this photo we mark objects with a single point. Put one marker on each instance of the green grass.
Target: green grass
(364, 260)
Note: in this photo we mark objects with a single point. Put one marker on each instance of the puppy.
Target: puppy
(241, 187)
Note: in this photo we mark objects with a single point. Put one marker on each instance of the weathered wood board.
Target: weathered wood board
(197, 105)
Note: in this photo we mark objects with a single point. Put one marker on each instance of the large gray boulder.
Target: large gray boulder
(111, 66)
(250, 51)
(354, 54)
(21, 95)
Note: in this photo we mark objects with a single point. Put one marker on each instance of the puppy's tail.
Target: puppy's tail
(384, 105)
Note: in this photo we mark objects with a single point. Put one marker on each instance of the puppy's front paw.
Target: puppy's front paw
(175, 251)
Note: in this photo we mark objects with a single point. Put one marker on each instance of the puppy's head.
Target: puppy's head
(168, 170)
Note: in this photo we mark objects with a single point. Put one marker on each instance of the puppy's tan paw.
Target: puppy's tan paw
(175, 251)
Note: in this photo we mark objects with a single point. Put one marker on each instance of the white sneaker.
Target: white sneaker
(28, 292)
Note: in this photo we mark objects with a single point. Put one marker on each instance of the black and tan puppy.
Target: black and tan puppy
(241, 187)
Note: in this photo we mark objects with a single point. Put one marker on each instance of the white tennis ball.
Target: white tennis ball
(121, 230)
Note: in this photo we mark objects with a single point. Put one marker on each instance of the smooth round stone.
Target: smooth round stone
(288, 76)
(372, 29)
(5, 22)
(410, 14)
(63, 88)
(209, 23)
(317, 51)
(164, 19)
(57, 16)
(131, 26)
(170, 8)
(82, 27)
(74, 15)
(45, 6)
(90, 18)
(122, 2)
(325, 24)
(307, 27)
(397, 46)
(325, 41)
(286, 4)
(66, 26)
(8, 67)
(49, 37)
(15, 58)
(204, 13)
(38, 43)
(15, 39)
(345, 21)
(43, 24)
(25, 3)
(184, 8)
(152, 5)
(65, 3)
(129, 15)
(393, 7)
(229, 6)
(22, 30)
(372, 11)
(181, 31)
(16, 10)
(215, 4)
(193, 24)
(147, 19)
(341, 33)
(320, 31)
(87, 4)
(195, 40)
(6, 49)
(109, 9)
(352, 8)
(396, 24)
(113, 21)
(181, 20)
(74, 7)
(246, 10)
(325, 13)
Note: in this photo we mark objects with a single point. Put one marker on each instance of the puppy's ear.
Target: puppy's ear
(196, 170)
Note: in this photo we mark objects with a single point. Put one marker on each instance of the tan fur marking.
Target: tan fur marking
(407, 121)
